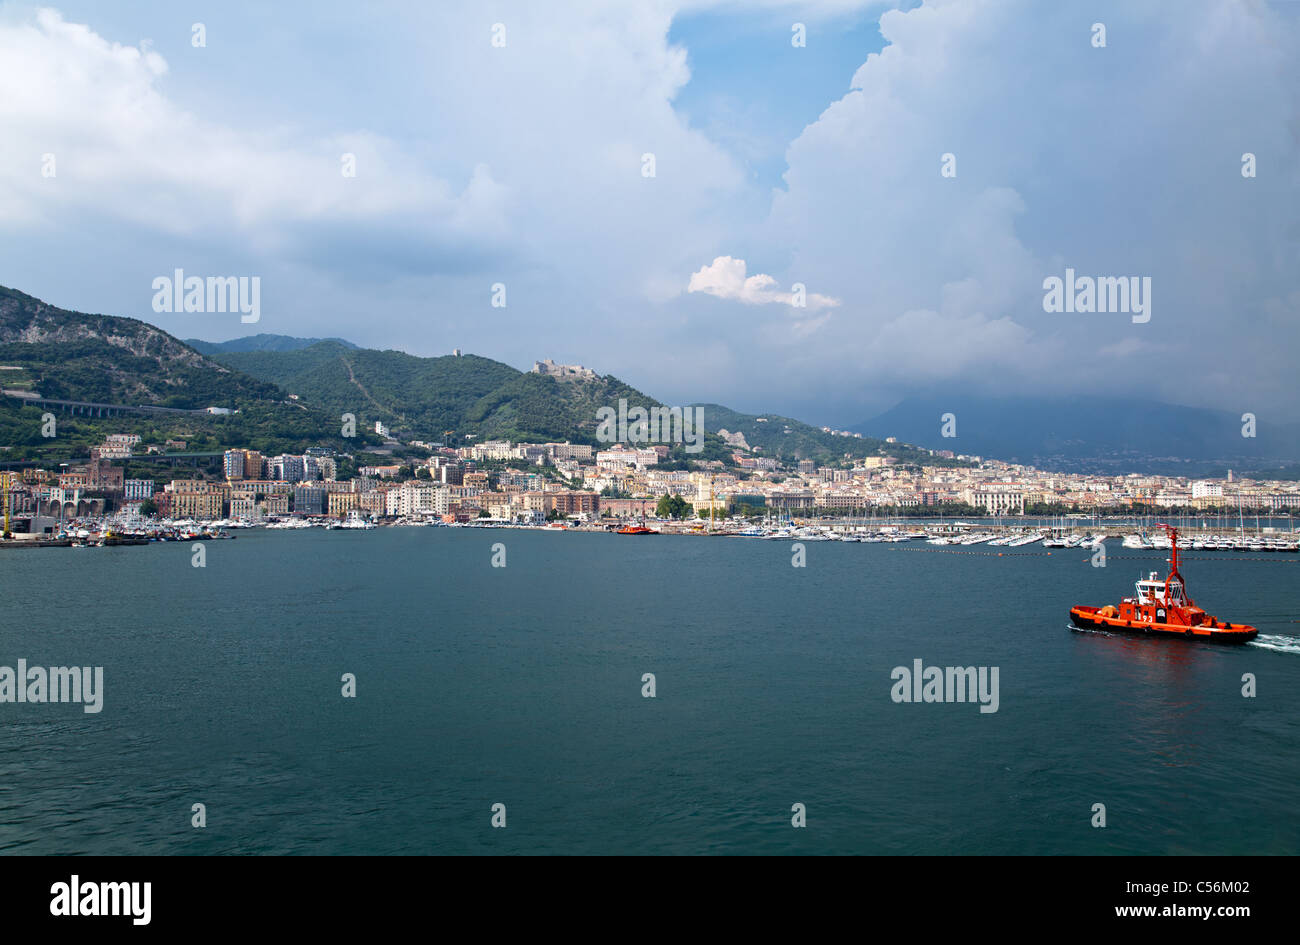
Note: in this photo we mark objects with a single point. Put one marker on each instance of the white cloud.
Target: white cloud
(725, 278)
(123, 148)
(1123, 161)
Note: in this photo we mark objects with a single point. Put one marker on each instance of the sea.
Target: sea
(510, 691)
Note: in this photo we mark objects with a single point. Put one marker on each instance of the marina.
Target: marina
(121, 530)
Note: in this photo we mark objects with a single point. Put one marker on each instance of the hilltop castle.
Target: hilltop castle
(563, 372)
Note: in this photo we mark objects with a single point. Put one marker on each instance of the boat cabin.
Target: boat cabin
(1152, 590)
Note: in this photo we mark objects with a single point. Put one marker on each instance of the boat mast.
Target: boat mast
(1173, 562)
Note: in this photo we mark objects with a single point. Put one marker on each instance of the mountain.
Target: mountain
(1090, 434)
(427, 394)
(263, 342)
(108, 359)
(774, 435)
(292, 392)
(490, 400)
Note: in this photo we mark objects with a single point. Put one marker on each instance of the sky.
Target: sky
(830, 225)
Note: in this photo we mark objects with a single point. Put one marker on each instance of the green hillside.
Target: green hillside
(426, 397)
(787, 439)
(289, 394)
(262, 342)
(108, 359)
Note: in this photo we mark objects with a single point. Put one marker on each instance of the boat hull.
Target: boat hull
(1091, 618)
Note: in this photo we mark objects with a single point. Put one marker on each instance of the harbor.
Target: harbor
(1130, 534)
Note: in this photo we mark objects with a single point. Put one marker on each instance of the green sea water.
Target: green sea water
(523, 686)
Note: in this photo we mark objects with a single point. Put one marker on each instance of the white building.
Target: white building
(996, 501)
(417, 497)
(137, 489)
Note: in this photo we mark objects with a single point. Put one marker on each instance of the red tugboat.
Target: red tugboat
(637, 529)
(1162, 608)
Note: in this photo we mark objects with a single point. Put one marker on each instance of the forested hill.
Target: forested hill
(431, 396)
(261, 342)
(491, 400)
(295, 390)
(109, 359)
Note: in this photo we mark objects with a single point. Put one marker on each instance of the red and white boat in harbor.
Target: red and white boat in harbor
(1162, 608)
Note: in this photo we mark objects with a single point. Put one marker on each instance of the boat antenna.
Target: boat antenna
(1173, 562)
(1173, 542)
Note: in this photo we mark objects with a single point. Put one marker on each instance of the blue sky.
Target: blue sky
(753, 92)
(775, 167)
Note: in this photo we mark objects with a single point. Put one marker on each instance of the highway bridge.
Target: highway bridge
(88, 409)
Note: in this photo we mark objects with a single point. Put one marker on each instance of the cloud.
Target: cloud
(470, 169)
(725, 278)
(940, 276)
(522, 165)
(120, 149)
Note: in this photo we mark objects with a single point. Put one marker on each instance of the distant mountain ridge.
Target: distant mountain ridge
(263, 342)
(1093, 433)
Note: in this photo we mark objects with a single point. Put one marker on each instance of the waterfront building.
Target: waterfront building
(996, 501)
(1204, 490)
(574, 502)
(374, 501)
(309, 500)
(136, 490)
(341, 503)
(243, 504)
(276, 503)
(267, 486)
(196, 505)
(628, 508)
